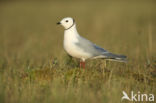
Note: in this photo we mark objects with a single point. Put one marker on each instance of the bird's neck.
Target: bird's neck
(71, 34)
(72, 30)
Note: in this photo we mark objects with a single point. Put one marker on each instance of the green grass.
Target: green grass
(34, 67)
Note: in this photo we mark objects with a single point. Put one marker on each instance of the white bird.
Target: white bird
(79, 47)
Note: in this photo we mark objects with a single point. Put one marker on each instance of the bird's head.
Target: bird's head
(67, 22)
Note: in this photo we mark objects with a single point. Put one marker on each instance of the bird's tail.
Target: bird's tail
(115, 57)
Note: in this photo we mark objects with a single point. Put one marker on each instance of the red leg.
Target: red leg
(82, 64)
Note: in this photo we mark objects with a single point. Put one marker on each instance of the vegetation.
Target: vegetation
(34, 67)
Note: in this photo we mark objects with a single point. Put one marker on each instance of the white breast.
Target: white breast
(71, 48)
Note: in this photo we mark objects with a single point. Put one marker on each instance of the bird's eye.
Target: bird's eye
(66, 21)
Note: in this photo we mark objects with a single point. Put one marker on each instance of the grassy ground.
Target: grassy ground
(35, 69)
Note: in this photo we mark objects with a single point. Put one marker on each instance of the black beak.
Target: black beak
(58, 23)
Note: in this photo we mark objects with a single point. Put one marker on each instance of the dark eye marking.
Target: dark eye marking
(66, 21)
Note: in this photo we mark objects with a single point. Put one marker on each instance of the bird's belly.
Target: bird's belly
(75, 51)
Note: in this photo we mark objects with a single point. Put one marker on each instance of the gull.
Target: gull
(79, 47)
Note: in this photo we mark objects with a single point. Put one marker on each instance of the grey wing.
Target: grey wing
(98, 52)
(89, 47)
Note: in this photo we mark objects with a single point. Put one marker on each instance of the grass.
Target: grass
(34, 67)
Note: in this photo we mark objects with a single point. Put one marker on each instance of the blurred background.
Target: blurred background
(30, 38)
(29, 30)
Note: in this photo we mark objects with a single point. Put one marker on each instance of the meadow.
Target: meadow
(34, 68)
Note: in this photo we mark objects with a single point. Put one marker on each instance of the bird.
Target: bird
(77, 46)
